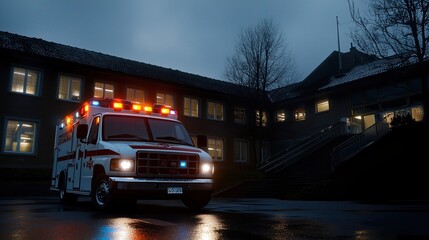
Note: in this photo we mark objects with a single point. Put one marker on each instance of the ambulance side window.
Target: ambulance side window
(93, 132)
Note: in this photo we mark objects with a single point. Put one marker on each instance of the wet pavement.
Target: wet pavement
(223, 218)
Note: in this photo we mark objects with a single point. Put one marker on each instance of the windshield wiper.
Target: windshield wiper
(126, 136)
(173, 139)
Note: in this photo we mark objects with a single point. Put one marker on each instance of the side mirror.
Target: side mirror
(82, 131)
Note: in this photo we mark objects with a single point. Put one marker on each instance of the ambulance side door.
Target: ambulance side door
(89, 152)
(64, 152)
(77, 166)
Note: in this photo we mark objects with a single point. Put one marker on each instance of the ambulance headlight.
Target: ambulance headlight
(207, 168)
(123, 165)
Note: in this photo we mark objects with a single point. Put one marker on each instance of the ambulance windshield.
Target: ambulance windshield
(169, 131)
(129, 128)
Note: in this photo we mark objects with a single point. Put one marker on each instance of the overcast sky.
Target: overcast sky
(194, 36)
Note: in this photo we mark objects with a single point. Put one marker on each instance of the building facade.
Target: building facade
(42, 82)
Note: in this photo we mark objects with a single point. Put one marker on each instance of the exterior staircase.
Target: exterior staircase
(347, 149)
(310, 161)
(315, 167)
(283, 159)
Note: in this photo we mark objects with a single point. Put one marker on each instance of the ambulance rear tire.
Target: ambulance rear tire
(101, 196)
(65, 197)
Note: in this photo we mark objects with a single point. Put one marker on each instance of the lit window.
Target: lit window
(299, 114)
(25, 81)
(20, 136)
(417, 113)
(165, 99)
(215, 148)
(136, 95)
(215, 111)
(69, 88)
(103, 90)
(240, 115)
(241, 150)
(388, 116)
(280, 116)
(322, 106)
(261, 116)
(190, 107)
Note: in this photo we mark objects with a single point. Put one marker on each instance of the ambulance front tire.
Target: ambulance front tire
(196, 201)
(101, 196)
(66, 198)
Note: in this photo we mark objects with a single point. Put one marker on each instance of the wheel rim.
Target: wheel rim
(102, 193)
(62, 190)
(62, 193)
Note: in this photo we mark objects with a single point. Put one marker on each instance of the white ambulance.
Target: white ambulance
(118, 151)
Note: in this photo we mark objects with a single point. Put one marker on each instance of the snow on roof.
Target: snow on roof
(363, 71)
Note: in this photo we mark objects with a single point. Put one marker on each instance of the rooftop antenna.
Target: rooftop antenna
(339, 50)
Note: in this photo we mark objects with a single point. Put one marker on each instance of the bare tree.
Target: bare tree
(261, 60)
(395, 27)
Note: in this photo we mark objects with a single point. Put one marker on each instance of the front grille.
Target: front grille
(167, 164)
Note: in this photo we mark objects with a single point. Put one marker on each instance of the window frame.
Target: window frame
(36, 126)
(134, 94)
(241, 142)
(279, 112)
(190, 107)
(240, 118)
(69, 98)
(214, 113)
(173, 99)
(296, 116)
(26, 68)
(264, 117)
(104, 88)
(319, 106)
(223, 148)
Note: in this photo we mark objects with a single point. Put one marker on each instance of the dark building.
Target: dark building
(42, 82)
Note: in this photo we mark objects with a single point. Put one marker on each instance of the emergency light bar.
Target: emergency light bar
(164, 109)
(120, 105)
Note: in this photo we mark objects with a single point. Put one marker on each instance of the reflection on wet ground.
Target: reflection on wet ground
(222, 219)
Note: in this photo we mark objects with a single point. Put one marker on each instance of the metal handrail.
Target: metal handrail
(355, 144)
(292, 154)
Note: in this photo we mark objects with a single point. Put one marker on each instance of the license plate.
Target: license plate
(174, 190)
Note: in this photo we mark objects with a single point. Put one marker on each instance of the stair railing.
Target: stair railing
(357, 143)
(293, 153)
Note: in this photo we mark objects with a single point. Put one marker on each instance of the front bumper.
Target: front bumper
(159, 187)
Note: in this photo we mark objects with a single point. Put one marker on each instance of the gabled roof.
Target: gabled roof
(40, 47)
(323, 74)
(363, 71)
(331, 66)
